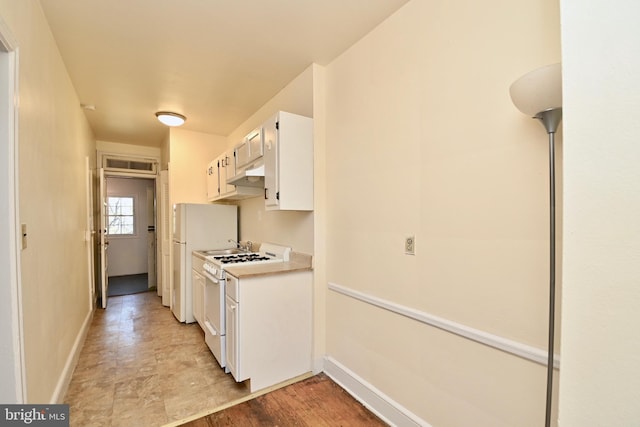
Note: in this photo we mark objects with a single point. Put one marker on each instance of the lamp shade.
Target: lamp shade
(539, 90)
(170, 119)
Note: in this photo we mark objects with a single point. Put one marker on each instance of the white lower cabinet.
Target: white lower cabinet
(269, 327)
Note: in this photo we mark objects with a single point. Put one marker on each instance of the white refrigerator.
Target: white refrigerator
(197, 227)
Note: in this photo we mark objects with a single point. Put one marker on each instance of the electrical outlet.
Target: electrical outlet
(410, 245)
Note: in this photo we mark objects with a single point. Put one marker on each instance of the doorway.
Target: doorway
(131, 233)
(126, 214)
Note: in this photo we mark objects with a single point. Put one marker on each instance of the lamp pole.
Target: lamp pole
(550, 119)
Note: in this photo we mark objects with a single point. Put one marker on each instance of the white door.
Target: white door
(104, 241)
(151, 237)
(90, 233)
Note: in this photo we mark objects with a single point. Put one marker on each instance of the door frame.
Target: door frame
(102, 235)
(9, 197)
(110, 172)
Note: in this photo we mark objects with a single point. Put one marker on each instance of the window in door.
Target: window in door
(121, 218)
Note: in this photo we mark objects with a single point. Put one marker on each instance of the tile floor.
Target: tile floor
(141, 367)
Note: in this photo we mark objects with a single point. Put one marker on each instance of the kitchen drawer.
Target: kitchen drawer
(233, 290)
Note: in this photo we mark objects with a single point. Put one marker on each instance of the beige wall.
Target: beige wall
(189, 153)
(600, 375)
(288, 228)
(422, 139)
(130, 149)
(54, 140)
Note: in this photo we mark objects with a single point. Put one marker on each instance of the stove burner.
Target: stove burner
(238, 258)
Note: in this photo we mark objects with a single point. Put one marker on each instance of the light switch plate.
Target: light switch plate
(410, 245)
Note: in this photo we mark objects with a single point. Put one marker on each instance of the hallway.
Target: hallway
(139, 366)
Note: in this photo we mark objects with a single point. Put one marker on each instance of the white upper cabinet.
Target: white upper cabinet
(227, 170)
(217, 177)
(250, 150)
(218, 172)
(288, 162)
(213, 190)
(275, 159)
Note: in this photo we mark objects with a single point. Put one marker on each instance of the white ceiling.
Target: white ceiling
(215, 61)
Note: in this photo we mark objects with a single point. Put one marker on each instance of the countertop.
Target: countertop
(199, 254)
(297, 262)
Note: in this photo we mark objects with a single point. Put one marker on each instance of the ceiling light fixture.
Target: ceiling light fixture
(170, 119)
(539, 95)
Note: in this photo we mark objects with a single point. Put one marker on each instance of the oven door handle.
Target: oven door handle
(210, 277)
(210, 328)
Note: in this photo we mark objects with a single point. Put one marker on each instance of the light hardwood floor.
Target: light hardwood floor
(315, 401)
(141, 367)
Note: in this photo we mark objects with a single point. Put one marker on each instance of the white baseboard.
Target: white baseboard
(72, 361)
(373, 399)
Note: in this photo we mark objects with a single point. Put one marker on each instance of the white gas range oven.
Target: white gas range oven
(214, 306)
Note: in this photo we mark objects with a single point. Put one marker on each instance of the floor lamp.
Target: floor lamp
(539, 95)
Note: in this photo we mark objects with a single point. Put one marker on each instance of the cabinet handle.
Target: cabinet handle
(265, 194)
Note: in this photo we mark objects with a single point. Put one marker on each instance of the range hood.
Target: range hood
(251, 176)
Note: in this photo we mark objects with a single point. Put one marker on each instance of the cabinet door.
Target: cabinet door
(288, 162)
(222, 175)
(232, 316)
(242, 154)
(271, 162)
(212, 180)
(251, 148)
(227, 170)
(254, 139)
(198, 283)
